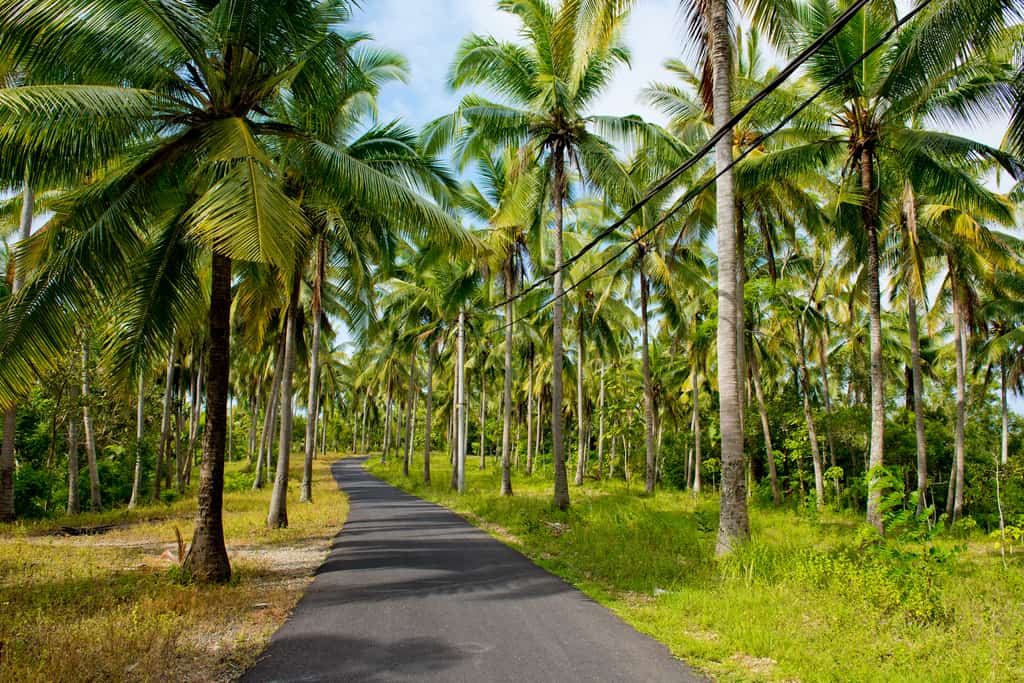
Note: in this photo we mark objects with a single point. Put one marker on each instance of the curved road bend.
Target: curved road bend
(412, 592)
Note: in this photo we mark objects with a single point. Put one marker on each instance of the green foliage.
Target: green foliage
(798, 595)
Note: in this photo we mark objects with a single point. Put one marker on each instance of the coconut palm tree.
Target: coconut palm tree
(178, 106)
(546, 84)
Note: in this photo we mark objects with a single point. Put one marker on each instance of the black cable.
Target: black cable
(707, 147)
(685, 199)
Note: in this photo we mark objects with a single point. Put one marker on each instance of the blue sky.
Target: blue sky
(428, 32)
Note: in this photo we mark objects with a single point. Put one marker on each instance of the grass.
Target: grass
(805, 600)
(115, 607)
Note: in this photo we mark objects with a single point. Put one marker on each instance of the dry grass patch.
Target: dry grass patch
(114, 607)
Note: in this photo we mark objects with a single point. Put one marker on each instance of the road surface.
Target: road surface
(412, 592)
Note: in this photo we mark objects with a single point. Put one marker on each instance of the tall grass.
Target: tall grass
(806, 600)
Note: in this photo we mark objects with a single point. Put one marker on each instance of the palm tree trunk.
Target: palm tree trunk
(254, 416)
(561, 495)
(827, 399)
(506, 430)
(1004, 434)
(961, 397)
(277, 517)
(207, 558)
(734, 525)
(741, 331)
(7, 466)
(453, 428)
(90, 437)
(388, 410)
(483, 417)
(581, 455)
(197, 413)
(600, 424)
(611, 459)
(165, 420)
(648, 388)
(410, 411)
(530, 440)
(697, 460)
(270, 416)
(460, 410)
(7, 512)
(428, 410)
(876, 457)
(140, 425)
(918, 380)
(755, 373)
(366, 401)
(812, 435)
(73, 507)
(184, 463)
(312, 409)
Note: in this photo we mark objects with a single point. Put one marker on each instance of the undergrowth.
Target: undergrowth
(118, 607)
(815, 596)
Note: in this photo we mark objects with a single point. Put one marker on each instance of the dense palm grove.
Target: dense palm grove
(529, 284)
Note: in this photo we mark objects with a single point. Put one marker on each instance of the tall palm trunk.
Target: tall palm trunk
(561, 496)
(388, 410)
(530, 440)
(1004, 434)
(600, 424)
(428, 410)
(165, 419)
(73, 507)
(812, 435)
(827, 400)
(453, 427)
(483, 418)
(90, 436)
(207, 558)
(915, 368)
(366, 402)
(312, 409)
(410, 412)
(697, 459)
(645, 353)
(506, 430)
(755, 373)
(734, 525)
(254, 416)
(277, 517)
(7, 512)
(460, 410)
(185, 475)
(876, 456)
(270, 416)
(961, 397)
(581, 418)
(140, 425)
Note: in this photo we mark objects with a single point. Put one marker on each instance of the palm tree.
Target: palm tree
(507, 201)
(172, 89)
(872, 105)
(547, 85)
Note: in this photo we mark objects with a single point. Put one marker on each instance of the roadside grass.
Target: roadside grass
(806, 600)
(116, 607)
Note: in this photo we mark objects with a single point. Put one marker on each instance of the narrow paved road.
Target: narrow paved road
(411, 592)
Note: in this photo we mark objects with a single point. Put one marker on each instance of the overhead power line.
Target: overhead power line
(841, 21)
(685, 199)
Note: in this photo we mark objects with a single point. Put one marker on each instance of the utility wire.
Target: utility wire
(707, 147)
(685, 199)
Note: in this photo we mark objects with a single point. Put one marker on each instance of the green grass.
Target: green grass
(805, 600)
(115, 607)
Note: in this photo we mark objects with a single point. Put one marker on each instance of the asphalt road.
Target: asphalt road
(411, 592)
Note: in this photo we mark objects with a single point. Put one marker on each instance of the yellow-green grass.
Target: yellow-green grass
(803, 601)
(114, 607)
